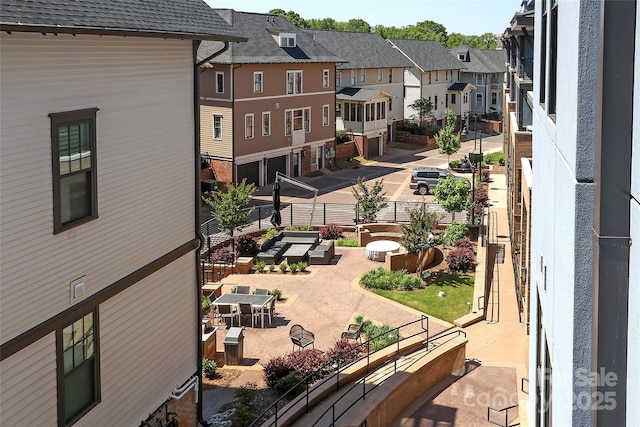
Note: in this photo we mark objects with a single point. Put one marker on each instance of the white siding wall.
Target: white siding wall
(28, 389)
(143, 88)
(146, 351)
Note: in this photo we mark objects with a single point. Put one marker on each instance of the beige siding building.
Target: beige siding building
(99, 296)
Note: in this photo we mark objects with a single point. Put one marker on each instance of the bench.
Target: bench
(368, 233)
(273, 249)
(323, 253)
(301, 337)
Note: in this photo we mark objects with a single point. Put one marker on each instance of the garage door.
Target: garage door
(250, 171)
(372, 149)
(276, 164)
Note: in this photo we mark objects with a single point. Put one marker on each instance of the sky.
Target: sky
(468, 17)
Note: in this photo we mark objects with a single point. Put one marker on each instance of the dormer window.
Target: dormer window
(461, 56)
(287, 40)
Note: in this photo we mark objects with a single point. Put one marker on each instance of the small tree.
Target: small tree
(416, 235)
(229, 207)
(423, 108)
(453, 194)
(369, 200)
(448, 139)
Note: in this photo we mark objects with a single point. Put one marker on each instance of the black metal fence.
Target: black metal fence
(343, 214)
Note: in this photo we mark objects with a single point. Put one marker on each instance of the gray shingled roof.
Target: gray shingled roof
(359, 94)
(362, 50)
(481, 60)
(427, 55)
(187, 19)
(262, 46)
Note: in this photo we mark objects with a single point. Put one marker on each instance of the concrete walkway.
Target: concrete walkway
(327, 298)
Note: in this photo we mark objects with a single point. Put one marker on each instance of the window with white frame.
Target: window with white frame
(494, 98)
(296, 120)
(479, 78)
(266, 123)
(461, 56)
(287, 40)
(390, 75)
(294, 82)
(379, 74)
(217, 127)
(352, 112)
(219, 82)
(338, 78)
(257, 82)
(429, 77)
(363, 75)
(479, 100)
(248, 126)
(436, 74)
(314, 157)
(325, 115)
(435, 102)
(453, 99)
(325, 78)
(338, 109)
(353, 77)
(465, 98)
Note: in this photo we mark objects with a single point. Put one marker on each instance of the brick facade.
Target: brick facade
(346, 150)
(185, 408)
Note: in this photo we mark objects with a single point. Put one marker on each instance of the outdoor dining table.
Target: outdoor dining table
(256, 301)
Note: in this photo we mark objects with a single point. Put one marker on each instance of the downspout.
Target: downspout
(197, 219)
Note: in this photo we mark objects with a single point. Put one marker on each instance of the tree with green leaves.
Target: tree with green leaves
(423, 108)
(417, 234)
(453, 194)
(369, 200)
(290, 16)
(358, 26)
(448, 139)
(229, 206)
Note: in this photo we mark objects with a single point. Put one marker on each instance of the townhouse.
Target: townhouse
(435, 75)
(484, 69)
(269, 104)
(99, 211)
(369, 87)
(585, 202)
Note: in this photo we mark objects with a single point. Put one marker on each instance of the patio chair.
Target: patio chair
(353, 332)
(270, 310)
(226, 311)
(242, 289)
(260, 291)
(246, 309)
(301, 337)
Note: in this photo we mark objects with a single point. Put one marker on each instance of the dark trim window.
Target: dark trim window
(219, 82)
(73, 139)
(78, 368)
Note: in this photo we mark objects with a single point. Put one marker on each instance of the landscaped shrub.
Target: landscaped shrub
(481, 197)
(342, 136)
(247, 245)
(485, 175)
(286, 383)
(276, 368)
(260, 266)
(454, 164)
(291, 228)
(269, 233)
(425, 275)
(345, 242)
(302, 266)
(311, 364)
(209, 368)
(277, 293)
(461, 259)
(283, 266)
(272, 267)
(245, 412)
(222, 256)
(331, 232)
(383, 279)
(466, 243)
(293, 267)
(379, 336)
(454, 231)
(304, 227)
(345, 352)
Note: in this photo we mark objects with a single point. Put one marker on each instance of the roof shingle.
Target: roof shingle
(188, 19)
(428, 55)
(486, 61)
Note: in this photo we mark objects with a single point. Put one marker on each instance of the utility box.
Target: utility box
(233, 346)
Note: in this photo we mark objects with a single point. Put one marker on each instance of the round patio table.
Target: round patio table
(377, 250)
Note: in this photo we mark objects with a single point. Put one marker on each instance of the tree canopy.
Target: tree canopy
(423, 108)
(370, 200)
(453, 194)
(229, 207)
(447, 138)
(424, 30)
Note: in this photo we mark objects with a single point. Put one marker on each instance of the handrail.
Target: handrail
(506, 415)
(273, 408)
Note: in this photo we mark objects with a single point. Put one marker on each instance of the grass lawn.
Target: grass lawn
(458, 289)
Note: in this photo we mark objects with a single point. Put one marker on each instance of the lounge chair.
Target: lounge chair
(301, 337)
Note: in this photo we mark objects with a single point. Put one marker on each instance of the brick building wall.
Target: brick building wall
(185, 408)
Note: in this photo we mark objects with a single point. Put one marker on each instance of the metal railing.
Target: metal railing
(343, 214)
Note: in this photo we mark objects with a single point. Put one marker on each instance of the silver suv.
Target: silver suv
(423, 179)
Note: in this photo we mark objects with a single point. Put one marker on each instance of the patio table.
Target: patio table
(257, 301)
(377, 250)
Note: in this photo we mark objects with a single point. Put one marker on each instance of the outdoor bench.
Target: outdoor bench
(323, 253)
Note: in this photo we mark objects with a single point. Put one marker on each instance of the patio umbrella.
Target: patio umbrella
(276, 220)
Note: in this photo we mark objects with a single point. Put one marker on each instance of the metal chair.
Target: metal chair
(226, 311)
(246, 309)
(242, 289)
(260, 291)
(353, 332)
(301, 337)
(270, 310)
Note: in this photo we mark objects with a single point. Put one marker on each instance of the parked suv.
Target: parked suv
(423, 179)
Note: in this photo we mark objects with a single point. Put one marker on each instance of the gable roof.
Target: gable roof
(485, 61)
(262, 47)
(362, 50)
(427, 55)
(359, 94)
(183, 19)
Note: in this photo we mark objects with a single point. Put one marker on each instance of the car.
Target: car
(423, 179)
